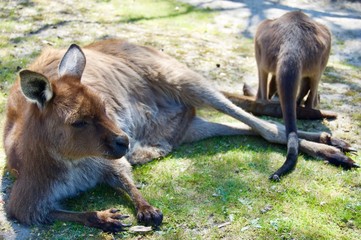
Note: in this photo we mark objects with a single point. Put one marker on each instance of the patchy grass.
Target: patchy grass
(217, 188)
(357, 118)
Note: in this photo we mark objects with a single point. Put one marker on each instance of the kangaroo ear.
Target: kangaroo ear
(35, 87)
(73, 62)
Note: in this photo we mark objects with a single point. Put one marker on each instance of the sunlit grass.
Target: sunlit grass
(217, 188)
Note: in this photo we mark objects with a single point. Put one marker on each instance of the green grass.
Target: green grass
(199, 186)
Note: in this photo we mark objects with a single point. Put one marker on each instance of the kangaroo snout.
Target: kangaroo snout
(119, 147)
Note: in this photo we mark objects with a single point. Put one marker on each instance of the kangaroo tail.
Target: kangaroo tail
(288, 76)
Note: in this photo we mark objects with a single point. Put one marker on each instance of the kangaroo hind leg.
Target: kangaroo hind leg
(200, 129)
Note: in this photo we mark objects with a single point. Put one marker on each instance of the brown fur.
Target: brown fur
(294, 50)
(67, 127)
(293, 35)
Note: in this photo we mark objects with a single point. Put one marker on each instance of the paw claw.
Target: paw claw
(355, 165)
(114, 210)
(119, 217)
(126, 225)
(348, 149)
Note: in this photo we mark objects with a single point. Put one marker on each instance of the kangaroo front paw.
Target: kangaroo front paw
(107, 220)
(149, 216)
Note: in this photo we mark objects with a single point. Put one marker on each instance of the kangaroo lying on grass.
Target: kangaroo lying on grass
(76, 118)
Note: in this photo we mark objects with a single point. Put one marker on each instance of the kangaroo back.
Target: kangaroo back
(294, 50)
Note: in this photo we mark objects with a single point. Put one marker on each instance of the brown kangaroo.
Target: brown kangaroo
(76, 118)
(294, 50)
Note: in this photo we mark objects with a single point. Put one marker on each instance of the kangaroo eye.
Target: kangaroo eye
(79, 124)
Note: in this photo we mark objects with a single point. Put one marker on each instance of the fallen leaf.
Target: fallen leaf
(140, 229)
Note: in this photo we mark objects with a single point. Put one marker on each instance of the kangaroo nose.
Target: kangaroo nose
(122, 141)
(120, 146)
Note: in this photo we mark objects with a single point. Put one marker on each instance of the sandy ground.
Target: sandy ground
(241, 18)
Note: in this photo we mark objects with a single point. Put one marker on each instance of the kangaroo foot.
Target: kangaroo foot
(336, 142)
(339, 159)
(329, 153)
